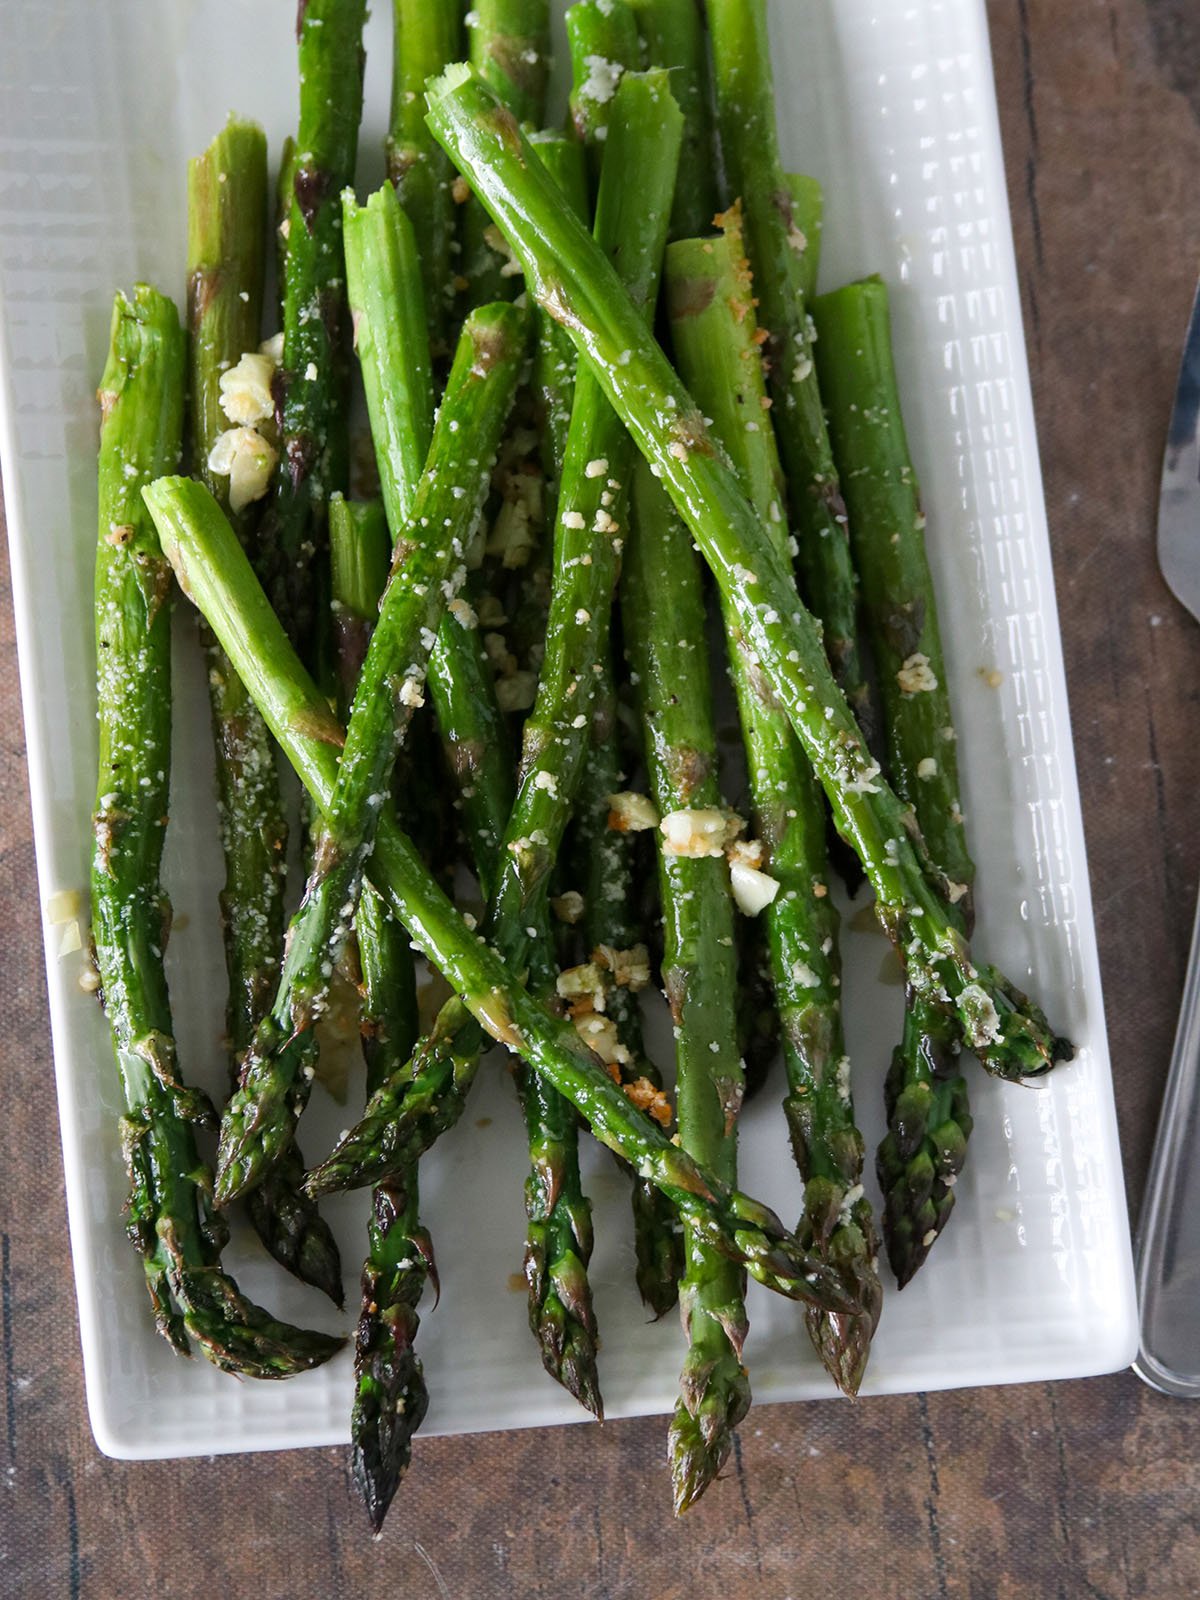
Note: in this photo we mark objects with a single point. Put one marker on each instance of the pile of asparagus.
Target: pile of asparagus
(516, 597)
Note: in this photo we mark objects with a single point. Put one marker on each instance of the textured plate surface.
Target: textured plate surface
(891, 104)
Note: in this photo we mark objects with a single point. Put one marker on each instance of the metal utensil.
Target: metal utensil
(1168, 1246)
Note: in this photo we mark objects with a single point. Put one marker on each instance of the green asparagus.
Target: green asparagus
(569, 276)
(745, 103)
(662, 608)
(226, 225)
(613, 932)
(525, 599)
(393, 351)
(714, 337)
(203, 550)
(673, 31)
(310, 395)
(509, 45)
(426, 36)
(554, 358)
(558, 1234)
(390, 1397)
(226, 241)
(170, 1217)
(510, 48)
(808, 218)
(602, 37)
(630, 225)
(276, 1077)
(928, 1118)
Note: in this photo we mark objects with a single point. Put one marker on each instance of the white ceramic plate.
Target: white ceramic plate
(891, 103)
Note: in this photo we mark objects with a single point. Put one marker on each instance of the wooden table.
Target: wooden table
(1073, 1489)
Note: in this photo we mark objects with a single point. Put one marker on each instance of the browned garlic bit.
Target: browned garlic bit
(629, 812)
(629, 969)
(568, 907)
(705, 831)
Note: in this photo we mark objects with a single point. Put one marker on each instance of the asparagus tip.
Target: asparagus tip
(242, 1338)
(294, 1232)
(701, 1435)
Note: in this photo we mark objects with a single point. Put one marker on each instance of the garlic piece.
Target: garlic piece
(246, 389)
(753, 890)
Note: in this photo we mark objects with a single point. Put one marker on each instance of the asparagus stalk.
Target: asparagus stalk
(552, 386)
(808, 218)
(310, 404)
(226, 241)
(674, 36)
(227, 188)
(662, 608)
(568, 275)
(607, 875)
(631, 219)
(203, 550)
(390, 1397)
(558, 1237)
(510, 48)
(603, 41)
(260, 1119)
(509, 45)
(385, 295)
(170, 1218)
(554, 357)
(928, 1117)
(745, 103)
(714, 337)
(427, 35)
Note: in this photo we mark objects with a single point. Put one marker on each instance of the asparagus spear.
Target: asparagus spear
(569, 276)
(808, 218)
(203, 550)
(310, 396)
(552, 386)
(385, 296)
(426, 36)
(170, 1217)
(510, 48)
(606, 873)
(745, 103)
(390, 1397)
(509, 45)
(630, 225)
(714, 337)
(603, 41)
(662, 608)
(226, 210)
(928, 1117)
(558, 1237)
(554, 357)
(673, 32)
(260, 1118)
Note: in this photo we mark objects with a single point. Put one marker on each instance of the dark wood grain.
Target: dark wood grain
(1057, 1491)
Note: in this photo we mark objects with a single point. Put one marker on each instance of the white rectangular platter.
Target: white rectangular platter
(891, 103)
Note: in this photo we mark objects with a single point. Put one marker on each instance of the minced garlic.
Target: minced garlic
(631, 813)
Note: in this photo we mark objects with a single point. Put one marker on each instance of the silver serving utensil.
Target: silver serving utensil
(1168, 1245)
